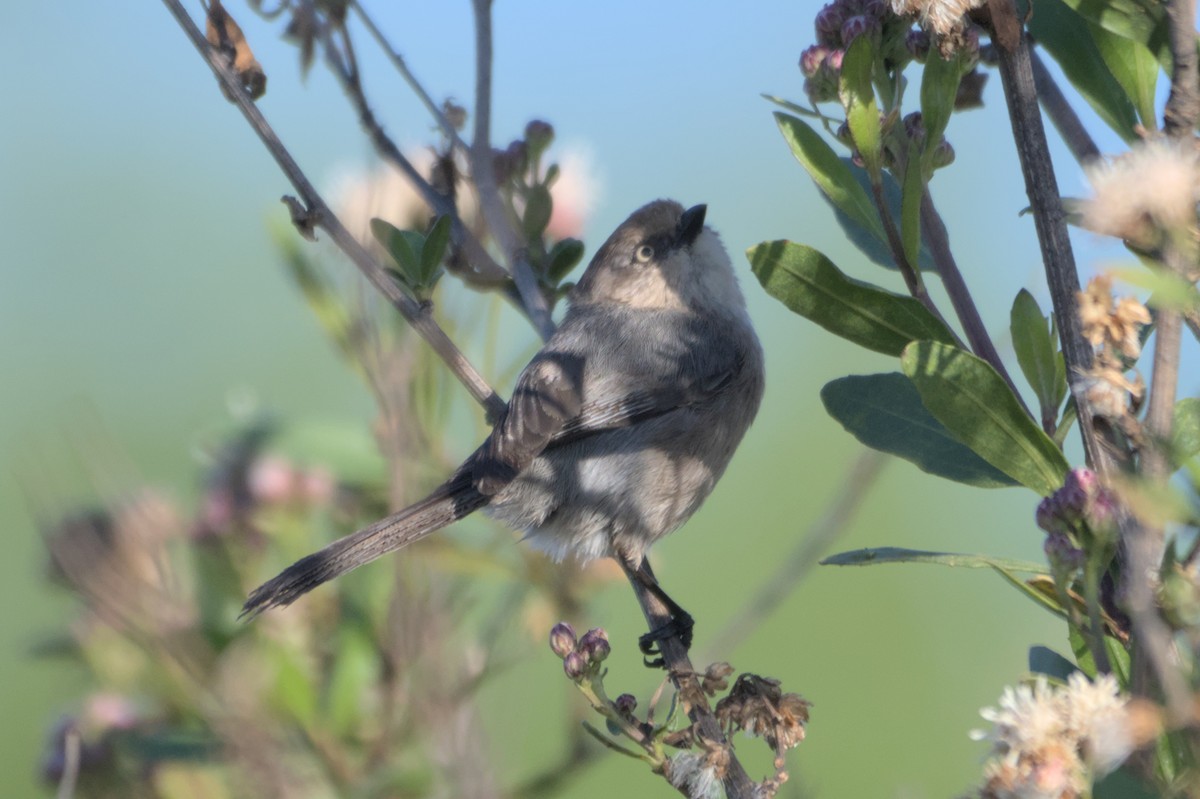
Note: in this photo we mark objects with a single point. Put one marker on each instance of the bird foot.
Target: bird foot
(680, 626)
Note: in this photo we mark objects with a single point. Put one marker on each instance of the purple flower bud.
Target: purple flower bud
(626, 704)
(1048, 518)
(812, 59)
(1062, 554)
(971, 42)
(1077, 492)
(575, 665)
(829, 25)
(538, 135)
(856, 26)
(834, 60)
(875, 9)
(943, 154)
(594, 645)
(1102, 511)
(562, 639)
(917, 42)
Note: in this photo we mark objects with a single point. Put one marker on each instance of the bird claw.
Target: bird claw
(680, 626)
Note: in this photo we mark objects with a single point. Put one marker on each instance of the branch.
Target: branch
(401, 66)
(346, 71)
(1062, 115)
(319, 214)
(1183, 103)
(1041, 186)
(934, 231)
(812, 544)
(484, 175)
(674, 653)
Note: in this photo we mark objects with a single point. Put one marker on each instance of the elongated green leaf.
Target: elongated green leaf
(434, 249)
(858, 99)
(538, 207)
(1185, 431)
(832, 176)
(875, 555)
(973, 402)
(871, 245)
(939, 85)
(1143, 21)
(1133, 66)
(1036, 352)
(1118, 657)
(885, 413)
(1039, 597)
(1067, 37)
(809, 284)
(400, 248)
(910, 208)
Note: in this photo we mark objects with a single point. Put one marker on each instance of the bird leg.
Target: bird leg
(678, 622)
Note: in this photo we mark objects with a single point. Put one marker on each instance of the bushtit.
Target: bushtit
(618, 428)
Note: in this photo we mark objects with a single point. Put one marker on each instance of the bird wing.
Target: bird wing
(547, 410)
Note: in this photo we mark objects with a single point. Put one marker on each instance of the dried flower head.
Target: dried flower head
(1053, 742)
(1155, 185)
(757, 706)
(690, 772)
(945, 19)
(1109, 325)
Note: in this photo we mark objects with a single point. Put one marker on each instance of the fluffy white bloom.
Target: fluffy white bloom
(1050, 743)
(943, 17)
(692, 773)
(1156, 183)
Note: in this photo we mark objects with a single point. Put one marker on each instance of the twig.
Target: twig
(1183, 103)
(402, 67)
(738, 784)
(855, 486)
(1192, 320)
(72, 746)
(320, 215)
(1041, 186)
(485, 178)
(1062, 115)
(934, 231)
(486, 270)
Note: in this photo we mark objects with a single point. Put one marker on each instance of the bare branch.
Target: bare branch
(1183, 103)
(402, 67)
(934, 231)
(320, 215)
(482, 171)
(1062, 115)
(1041, 186)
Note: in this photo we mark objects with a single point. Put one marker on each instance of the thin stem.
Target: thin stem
(855, 486)
(1041, 186)
(345, 69)
(319, 214)
(738, 784)
(934, 231)
(402, 67)
(1091, 597)
(1183, 103)
(1062, 115)
(485, 178)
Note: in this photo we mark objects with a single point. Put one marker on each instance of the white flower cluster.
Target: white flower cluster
(943, 17)
(1155, 184)
(692, 773)
(1051, 743)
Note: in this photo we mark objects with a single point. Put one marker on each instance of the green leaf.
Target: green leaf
(1143, 21)
(1133, 66)
(872, 245)
(434, 250)
(876, 555)
(1041, 598)
(564, 256)
(1185, 431)
(910, 209)
(858, 99)
(885, 413)
(974, 403)
(1169, 290)
(1067, 37)
(400, 248)
(1118, 657)
(830, 173)
(939, 85)
(538, 207)
(1044, 660)
(809, 284)
(1036, 352)
(1123, 784)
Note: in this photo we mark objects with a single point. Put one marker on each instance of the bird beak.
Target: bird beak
(690, 225)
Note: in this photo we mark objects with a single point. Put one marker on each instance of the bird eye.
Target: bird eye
(644, 253)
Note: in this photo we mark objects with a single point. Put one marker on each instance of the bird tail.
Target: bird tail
(450, 502)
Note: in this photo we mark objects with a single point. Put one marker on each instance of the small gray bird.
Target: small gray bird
(619, 427)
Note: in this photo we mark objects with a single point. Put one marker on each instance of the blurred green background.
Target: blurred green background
(140, 295)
